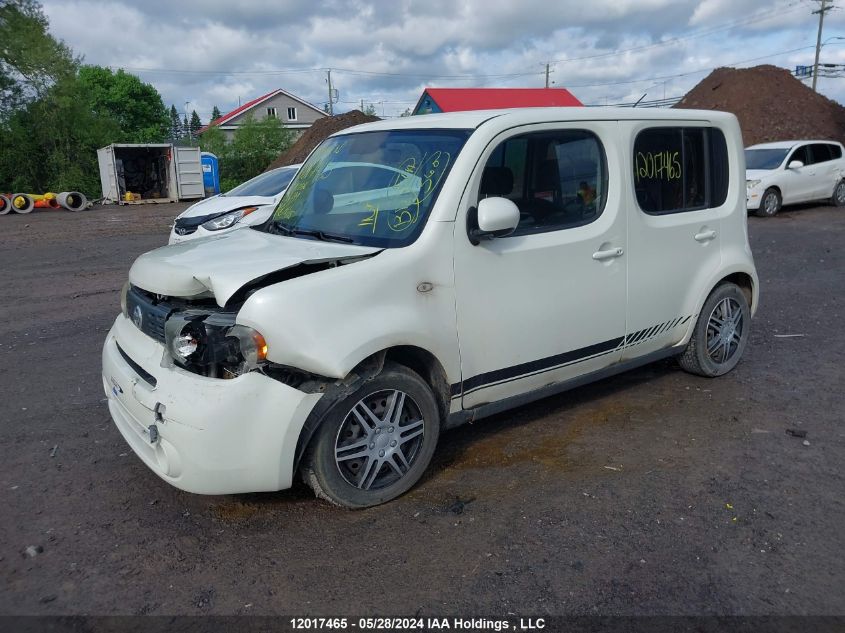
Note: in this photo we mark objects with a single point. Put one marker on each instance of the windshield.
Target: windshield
(764, 158)
(268, 184)
(370, 188)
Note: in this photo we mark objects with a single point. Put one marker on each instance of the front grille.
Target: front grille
(147, 314)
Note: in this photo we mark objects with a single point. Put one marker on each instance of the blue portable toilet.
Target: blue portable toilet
(210, 173)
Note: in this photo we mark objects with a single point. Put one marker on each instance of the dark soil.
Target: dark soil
(314, 135)
(654, 492)
(770, 103)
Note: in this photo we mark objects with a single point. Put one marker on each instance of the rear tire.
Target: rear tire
(770, 203)
(838, 198)
(376, 443)
(720, 334)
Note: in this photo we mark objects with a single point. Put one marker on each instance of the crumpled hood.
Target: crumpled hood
(758, 174)
(224, 264)
(221, 204)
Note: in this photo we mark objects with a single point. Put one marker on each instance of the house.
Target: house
(296, 114)
(461, 99)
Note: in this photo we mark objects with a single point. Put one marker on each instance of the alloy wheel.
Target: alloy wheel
(771, 204)
(724, 330)
(379, 440)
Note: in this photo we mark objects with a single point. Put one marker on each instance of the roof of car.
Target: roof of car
(789, 144)
(522, 116)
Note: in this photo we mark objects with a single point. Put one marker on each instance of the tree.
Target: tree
(195, 123)
(175, 124)
(213, 140)
(407, 112)
(31, 60)
(186, 127)
(370, 110)
(135, 105)
(215, 113)
(51, 143)
(254, 146)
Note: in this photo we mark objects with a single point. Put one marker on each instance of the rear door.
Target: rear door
(680, 175)
(189, 184)
(827, 170)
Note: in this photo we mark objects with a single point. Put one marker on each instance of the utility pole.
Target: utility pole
(824, 9)
(547, 75)
(331, 98)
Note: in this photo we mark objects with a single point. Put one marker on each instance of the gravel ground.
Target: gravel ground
(655, 492)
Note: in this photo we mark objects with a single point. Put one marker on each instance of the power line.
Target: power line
(691, 72)
(724, 27)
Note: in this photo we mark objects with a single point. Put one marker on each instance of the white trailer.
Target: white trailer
(149, 173)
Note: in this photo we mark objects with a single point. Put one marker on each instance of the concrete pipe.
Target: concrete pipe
(5, 205)
(46, 201)
(22, 203)
(72, 200)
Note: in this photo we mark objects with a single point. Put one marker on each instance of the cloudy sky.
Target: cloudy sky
(214, 52)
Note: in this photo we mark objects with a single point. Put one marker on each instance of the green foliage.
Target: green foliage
(136, 106)
(407, 112)
(31, 60)
(54, 115)
(50, 144)
(254, 146)
(215, 113)
(175, 124)
(370, 110)
(195, 123)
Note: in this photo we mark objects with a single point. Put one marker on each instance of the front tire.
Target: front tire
(770, 203)
(720, 335)
(375, 444)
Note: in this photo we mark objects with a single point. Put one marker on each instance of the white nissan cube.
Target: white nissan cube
(458, 266)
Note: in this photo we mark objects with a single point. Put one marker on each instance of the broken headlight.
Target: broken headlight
(212, 344)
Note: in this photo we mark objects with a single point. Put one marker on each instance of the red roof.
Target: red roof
(461, 99)
(238, 110)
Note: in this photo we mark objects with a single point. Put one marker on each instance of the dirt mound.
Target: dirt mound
(770, 103)
(318, 131)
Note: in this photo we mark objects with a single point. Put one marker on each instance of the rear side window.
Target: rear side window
(821, 152)
(680, 169)
(835, 151)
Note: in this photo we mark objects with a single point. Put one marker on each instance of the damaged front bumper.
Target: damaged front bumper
(202, 435)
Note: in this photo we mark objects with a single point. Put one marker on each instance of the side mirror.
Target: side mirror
(795, 164)
(494, 217)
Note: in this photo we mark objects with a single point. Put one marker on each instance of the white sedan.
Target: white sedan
(791, 172)
(248, 204)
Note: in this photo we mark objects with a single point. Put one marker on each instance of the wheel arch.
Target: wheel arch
(745, 283)
(415, 358)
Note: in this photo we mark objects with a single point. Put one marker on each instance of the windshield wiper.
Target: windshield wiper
(285, 229)
(323, 236)
(282, 228)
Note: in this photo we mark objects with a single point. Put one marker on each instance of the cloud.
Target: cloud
(210, 52)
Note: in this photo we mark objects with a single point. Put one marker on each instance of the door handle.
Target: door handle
(705, 236)
(600, 256)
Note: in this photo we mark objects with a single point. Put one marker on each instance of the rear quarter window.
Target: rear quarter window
(679, 169)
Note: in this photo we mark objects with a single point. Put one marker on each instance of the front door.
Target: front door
(799, 184)
(547, 303)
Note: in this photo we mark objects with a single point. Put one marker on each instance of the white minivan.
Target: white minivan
(509, 255)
